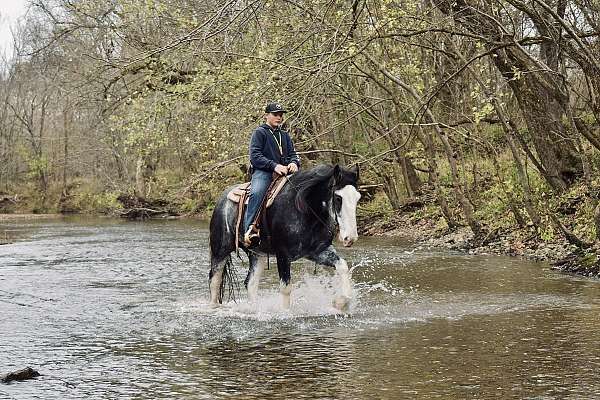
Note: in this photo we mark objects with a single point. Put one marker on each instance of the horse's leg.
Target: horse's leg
(257, 266)
(283, 267)
(330, 258)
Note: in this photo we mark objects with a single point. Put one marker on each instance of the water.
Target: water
(109, 309)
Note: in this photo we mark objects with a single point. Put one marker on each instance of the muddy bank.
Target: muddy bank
(11, 217)
(516, 242)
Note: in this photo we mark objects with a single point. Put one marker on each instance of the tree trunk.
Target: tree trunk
(521, 172)
(65, 149)
(597, 221)
(440, 198)
(43, 170)
(141, 178)
(390, 188)
(466, 205)
(512, 203)
(411, 179)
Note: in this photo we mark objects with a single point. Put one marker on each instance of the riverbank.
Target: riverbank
(11, 217)
(515, 242)
(419, 223)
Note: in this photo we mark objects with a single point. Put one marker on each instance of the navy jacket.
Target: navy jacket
(264, 152)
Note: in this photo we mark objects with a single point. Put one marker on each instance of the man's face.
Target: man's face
(275, 119)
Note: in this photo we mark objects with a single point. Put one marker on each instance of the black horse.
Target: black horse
(301, 222)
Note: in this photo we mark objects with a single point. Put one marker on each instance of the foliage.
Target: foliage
(89, 198)
(379, 207)
(160, 97)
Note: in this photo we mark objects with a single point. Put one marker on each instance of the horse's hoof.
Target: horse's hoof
(341, 303)
(214, 305)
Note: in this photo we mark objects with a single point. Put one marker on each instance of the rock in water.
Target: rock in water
(20, 375)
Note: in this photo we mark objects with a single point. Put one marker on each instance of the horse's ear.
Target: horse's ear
(337, 174)
(355, 171)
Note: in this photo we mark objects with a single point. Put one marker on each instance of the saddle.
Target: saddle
(240, 194)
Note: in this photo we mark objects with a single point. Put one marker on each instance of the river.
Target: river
(110, 309)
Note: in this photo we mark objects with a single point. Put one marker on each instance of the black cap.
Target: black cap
(274, 108)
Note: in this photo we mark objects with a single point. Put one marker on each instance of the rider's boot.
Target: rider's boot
(251, 236)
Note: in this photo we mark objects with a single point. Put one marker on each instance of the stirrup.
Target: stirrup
(251, 236)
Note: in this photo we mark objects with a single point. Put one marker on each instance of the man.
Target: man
(271, 150)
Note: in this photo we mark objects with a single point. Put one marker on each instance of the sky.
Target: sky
(10, 11)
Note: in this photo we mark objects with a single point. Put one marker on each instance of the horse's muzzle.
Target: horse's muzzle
(348, 241)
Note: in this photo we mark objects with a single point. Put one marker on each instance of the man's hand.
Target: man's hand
(281, 170)
(292, 167)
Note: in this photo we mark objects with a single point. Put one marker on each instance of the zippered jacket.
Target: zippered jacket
(264, 148)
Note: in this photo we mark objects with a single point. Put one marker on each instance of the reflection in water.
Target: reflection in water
(112, 309)
(278, 366)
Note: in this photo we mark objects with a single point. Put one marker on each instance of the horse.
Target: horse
(301, 223)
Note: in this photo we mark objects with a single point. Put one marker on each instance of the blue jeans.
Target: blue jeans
(258, 188)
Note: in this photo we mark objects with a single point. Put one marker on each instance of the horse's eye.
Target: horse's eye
(337, 202)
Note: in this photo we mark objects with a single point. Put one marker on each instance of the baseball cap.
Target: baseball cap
(274, 108)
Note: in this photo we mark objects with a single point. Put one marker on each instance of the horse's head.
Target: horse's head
(345, 199)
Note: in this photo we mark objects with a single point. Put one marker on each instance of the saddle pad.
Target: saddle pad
(236, 193)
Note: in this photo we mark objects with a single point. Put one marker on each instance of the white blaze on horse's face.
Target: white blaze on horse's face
(347, 214)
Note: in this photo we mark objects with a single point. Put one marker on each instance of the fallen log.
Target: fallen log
(368, 191)
(411, 205)
(139, 208)
(7, 202)
(20, 375)
(142, 213)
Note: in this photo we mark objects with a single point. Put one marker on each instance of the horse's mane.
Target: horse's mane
(305, 183)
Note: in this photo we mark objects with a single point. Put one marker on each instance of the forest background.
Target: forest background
(467, 113)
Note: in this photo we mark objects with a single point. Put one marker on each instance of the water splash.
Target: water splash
(312, 296)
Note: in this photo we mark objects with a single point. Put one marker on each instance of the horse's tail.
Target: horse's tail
(229, 279)
(222, 243)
